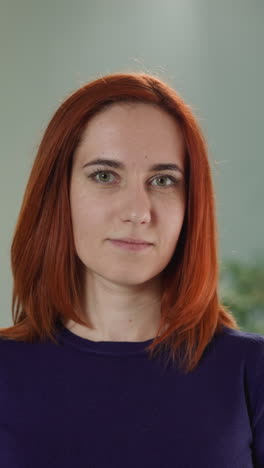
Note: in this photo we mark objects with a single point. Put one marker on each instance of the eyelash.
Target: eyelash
(94, 174)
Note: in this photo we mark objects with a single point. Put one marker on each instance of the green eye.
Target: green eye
(160, 176)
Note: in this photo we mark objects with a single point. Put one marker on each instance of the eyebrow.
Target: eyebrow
(119, 165)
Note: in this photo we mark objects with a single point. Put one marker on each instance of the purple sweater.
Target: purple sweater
(88, 404)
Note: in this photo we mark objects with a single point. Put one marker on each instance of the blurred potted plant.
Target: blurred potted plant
(241, 289)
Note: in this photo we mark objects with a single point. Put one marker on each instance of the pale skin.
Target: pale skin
(123, 288)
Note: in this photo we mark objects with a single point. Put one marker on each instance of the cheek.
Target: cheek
(87, 215)
(172, 209)
(170, 222)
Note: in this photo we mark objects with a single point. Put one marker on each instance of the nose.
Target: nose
(135, 205)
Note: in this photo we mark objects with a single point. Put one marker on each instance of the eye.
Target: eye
(160, 176)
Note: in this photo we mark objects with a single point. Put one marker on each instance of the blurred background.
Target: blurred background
(210, 52)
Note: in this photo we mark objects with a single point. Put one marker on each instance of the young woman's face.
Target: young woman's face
(133, 201)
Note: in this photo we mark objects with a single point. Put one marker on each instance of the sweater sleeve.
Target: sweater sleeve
(257, 398)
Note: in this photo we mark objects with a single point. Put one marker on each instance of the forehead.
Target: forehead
(139, 118)
(124, 129)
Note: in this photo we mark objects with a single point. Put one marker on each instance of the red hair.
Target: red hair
(48, 276)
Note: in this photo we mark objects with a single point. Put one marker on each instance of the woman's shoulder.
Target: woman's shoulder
(248, 340)
(242, 350)
(245, 343)
(11, 349)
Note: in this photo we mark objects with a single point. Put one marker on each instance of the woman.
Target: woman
(115, 266)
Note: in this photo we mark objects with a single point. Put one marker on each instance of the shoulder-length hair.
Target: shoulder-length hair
(48, 276)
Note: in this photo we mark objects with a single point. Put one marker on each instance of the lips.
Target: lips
(130, 246)
(130, 240)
